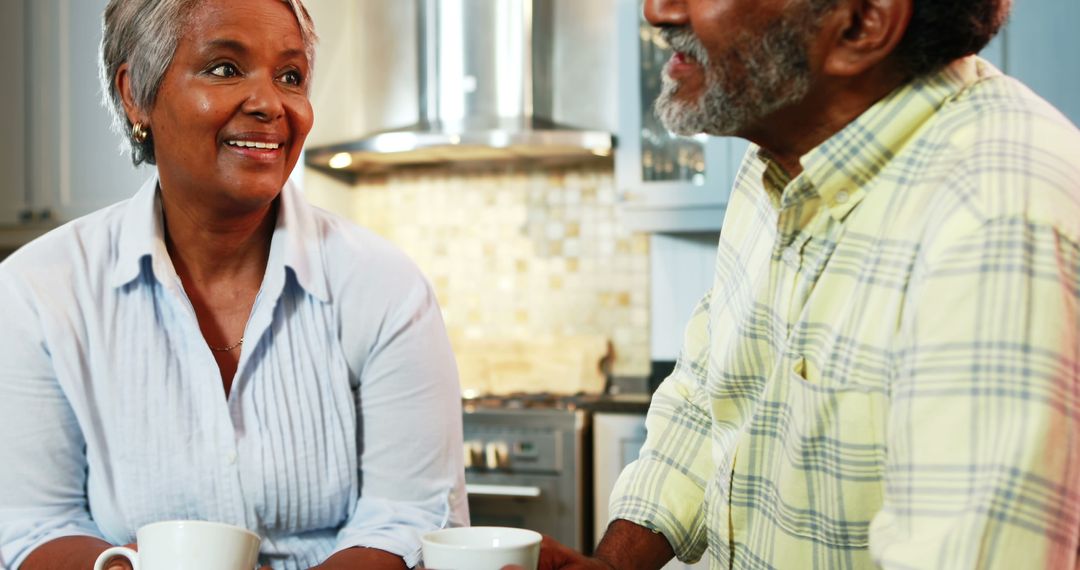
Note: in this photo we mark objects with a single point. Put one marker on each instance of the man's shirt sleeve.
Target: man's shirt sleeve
(664, 490)
(983, 434)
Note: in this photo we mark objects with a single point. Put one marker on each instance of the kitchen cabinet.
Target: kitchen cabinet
(665, 183)
(76, 159)
(70, 160)
(617, 441)
(670, 184)
(13, 99)
(1040, 49)
(1035, 46)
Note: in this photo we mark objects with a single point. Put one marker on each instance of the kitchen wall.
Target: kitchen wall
(514, 252)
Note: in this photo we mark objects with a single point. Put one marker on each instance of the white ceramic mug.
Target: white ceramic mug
(188, 545)
(481, 548)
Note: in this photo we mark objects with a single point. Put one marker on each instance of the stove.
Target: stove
(532, 401)
(528, 464)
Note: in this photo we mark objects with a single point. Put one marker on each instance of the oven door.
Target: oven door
(534, 502)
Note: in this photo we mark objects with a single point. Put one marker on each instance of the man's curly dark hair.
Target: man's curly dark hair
(941, 31)
(944, 30)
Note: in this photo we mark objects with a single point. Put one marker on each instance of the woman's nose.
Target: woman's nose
(264, 100)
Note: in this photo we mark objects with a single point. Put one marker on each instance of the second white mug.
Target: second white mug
(188, 545)
(481, 548)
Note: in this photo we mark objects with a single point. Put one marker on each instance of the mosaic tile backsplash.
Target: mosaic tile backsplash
(518, 253)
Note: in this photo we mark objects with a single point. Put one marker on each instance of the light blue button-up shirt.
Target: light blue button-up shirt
(342, 428)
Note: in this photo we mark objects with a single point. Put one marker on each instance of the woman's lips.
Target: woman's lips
(259, 154)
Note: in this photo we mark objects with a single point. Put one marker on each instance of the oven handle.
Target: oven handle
(503, 491)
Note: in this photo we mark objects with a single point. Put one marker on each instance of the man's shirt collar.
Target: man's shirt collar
(839, 170)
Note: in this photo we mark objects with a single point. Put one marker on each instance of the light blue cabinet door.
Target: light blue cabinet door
(995, 52)
(76, 165)
(1042, 49)
(13, 192)
(99, 173)
(666, 184)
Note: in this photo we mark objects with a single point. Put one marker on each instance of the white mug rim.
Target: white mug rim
(534, 538)
(221, 525)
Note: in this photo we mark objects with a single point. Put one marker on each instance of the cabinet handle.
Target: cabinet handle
(503, 491)
(29, 216)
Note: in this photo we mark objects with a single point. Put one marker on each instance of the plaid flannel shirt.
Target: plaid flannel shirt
(886, 369)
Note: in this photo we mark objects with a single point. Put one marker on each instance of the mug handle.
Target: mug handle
(115, 551)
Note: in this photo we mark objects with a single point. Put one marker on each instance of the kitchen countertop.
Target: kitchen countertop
(623, 403)
(13, 237)
(635, 403)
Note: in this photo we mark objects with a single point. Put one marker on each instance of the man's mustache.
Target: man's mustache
(682, 39)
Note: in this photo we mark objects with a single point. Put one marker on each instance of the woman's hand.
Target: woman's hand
(359, 557)
(119, 562)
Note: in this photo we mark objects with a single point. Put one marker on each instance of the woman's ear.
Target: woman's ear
(123, 86)
(860, 34)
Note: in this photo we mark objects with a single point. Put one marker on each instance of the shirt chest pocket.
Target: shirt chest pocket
(820, 451)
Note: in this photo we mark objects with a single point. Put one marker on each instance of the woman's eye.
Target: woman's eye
(292, 78)
(224, 70)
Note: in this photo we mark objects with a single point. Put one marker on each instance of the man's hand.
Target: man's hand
(626, 546)
(554, 556)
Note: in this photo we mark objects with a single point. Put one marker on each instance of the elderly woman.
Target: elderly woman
(215, 348)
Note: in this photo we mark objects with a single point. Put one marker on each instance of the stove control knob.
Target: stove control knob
(474, 454)
(497, 456)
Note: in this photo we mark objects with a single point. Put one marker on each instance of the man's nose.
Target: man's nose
(666, 12)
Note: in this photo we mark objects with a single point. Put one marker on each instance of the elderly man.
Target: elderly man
(886, 371)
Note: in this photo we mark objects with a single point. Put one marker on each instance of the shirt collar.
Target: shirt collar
(303, 239)
(840, 169)
(296, 243)
(141, 234)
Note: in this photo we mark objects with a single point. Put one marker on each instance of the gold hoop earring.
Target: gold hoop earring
(139, 133)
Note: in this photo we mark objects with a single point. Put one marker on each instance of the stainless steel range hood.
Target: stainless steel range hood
(486, 92)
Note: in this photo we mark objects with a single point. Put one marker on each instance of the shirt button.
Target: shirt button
(790, 256)
(841, 197)
(230, 457)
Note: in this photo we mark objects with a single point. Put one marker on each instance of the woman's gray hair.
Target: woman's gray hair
(144, 34)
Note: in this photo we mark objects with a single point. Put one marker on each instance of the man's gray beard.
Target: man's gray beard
(757, 76)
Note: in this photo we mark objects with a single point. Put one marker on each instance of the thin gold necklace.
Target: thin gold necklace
(227, 348)
(165, 232)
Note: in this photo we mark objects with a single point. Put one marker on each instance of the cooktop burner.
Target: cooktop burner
(531, 401)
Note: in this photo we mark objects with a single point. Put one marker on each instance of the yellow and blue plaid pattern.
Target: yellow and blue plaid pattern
(887, 369)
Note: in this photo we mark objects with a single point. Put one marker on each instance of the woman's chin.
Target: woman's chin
(248, 194)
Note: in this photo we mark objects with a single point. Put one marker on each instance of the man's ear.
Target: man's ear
(860, 34)
(123, 86)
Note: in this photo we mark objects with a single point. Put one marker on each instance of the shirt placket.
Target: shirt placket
(787, 260)
(225, 454)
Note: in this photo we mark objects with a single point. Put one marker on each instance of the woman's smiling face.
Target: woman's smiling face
(233, 112)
